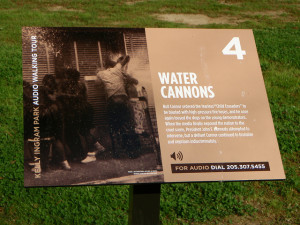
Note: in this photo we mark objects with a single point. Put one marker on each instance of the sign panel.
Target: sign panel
(116, 106)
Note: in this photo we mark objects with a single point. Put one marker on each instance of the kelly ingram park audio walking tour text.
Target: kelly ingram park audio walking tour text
(35, 111)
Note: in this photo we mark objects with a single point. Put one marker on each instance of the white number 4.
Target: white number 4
(237, 51)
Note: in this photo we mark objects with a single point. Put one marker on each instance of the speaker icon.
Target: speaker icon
(179, 156)
(173, 156)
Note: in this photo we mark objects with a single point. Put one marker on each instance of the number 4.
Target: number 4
(238, 50)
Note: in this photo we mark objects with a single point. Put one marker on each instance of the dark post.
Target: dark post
(144, 204)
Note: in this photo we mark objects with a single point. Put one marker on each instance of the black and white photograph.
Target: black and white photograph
(89, 116)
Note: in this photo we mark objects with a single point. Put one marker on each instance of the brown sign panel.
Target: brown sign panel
(119, 106)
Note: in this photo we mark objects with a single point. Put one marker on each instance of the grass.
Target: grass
(265, 202)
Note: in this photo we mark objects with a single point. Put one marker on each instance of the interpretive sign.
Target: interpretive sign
(119, 106)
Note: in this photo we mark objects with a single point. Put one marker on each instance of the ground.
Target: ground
(99, 172)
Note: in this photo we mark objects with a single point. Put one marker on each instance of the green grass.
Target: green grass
(266, 202)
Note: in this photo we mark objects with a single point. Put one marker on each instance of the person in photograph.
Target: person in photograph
(120, 113)
(78, 117)
(51, 125)
(91, 145)
(69, 101)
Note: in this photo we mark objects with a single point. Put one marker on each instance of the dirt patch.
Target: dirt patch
(119, 23)
(61, 8)
(132, 2)
(224, 2)
(274, 14)
(197, 19)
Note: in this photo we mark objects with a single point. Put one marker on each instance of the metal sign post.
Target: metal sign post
(144, 204)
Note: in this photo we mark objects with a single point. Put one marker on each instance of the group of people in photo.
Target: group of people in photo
(66, 116)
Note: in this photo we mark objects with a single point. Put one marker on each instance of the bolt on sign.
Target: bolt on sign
(125, 106)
